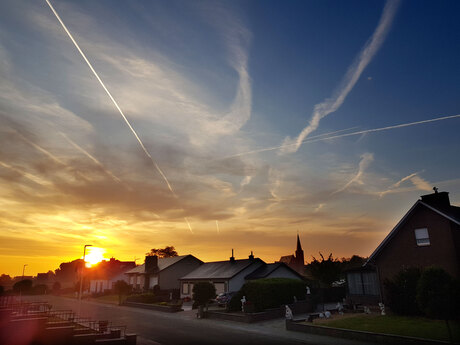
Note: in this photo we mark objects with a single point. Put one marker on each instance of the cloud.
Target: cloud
(332, 104)
(366, 160)
(414, 178)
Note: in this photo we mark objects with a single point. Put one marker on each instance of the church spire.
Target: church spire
(299, 246)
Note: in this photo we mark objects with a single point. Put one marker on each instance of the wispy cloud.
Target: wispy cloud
(332, 104)
(414, 178)
(366, 160)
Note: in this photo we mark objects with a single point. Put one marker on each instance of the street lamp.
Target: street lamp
(81, 276)
(20, 289)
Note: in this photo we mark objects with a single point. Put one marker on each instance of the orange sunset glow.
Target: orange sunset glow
(211, 135)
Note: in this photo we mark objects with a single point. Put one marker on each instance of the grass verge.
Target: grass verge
(399, 325)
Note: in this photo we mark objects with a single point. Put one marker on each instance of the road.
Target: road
(183, 328)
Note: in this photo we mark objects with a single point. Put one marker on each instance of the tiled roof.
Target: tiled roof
(163, 263)
(220, 269)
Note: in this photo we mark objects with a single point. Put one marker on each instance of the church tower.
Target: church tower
(299, 257)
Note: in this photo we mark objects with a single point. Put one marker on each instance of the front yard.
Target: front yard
(418, 327)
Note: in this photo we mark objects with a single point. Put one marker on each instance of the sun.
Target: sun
(94, 256)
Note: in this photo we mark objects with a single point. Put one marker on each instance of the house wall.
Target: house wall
(98, 286)
(169, 277)
(237, 281)
(402, 250)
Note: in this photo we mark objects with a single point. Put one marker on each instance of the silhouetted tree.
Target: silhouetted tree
(166, 252)
(5, 280)
(326, 271)
(121, 288)
(56, 287)
(23, 286)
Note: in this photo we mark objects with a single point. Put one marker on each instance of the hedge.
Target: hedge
(269, 293)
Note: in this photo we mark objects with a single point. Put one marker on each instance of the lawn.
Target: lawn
(399, 325)
(111, 299)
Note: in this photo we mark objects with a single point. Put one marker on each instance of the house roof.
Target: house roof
(163, 263)
(287, 259)
(452, 213)
(220, 269)
(267, 269)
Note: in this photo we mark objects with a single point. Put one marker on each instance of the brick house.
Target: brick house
(164, 272)
(427, 235)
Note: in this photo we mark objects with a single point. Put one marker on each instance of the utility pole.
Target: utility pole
(81, 276)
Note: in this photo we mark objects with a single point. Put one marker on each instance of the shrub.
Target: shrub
(23, 286)
(269, 293)
(39, 289)
(143, 298)
(121, 288)
(402, 291)
(203, 292)
(438, 294)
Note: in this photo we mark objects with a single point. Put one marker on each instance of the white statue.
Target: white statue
(327, 314)
(339, 308)
(367, 310)
(308, 290)
(382, 308)
(321, 315)
(289, 315)
(243, 302)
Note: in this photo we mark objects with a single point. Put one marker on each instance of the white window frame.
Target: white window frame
(422, 237)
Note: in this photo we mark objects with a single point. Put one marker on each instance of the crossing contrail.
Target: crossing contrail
(111, 97)
(311, 140)
(94, 159)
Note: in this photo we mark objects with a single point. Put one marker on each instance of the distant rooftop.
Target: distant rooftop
(220, 269)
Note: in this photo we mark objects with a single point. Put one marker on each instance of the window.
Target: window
(220, 287)
(185, 290)
(421, 237)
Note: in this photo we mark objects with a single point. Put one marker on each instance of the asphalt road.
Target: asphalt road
(154, 327)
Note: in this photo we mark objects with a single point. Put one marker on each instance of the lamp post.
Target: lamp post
(23, 269)
(81, 276)
(20, 289)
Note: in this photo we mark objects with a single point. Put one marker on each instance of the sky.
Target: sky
(212, 125)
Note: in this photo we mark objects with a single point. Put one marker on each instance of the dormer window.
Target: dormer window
(421, 237)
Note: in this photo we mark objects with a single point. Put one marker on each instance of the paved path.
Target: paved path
(154, 327)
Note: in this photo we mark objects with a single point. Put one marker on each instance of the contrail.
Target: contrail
(217, 226)
(94, 159)
(111, 97)
(33, 178)
(190, 228)
(278, 147)
(332, 104)
(311, 140)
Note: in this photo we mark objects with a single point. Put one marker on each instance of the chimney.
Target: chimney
(438, 200)
(232, 258)
(151, 264)
(251, 257)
